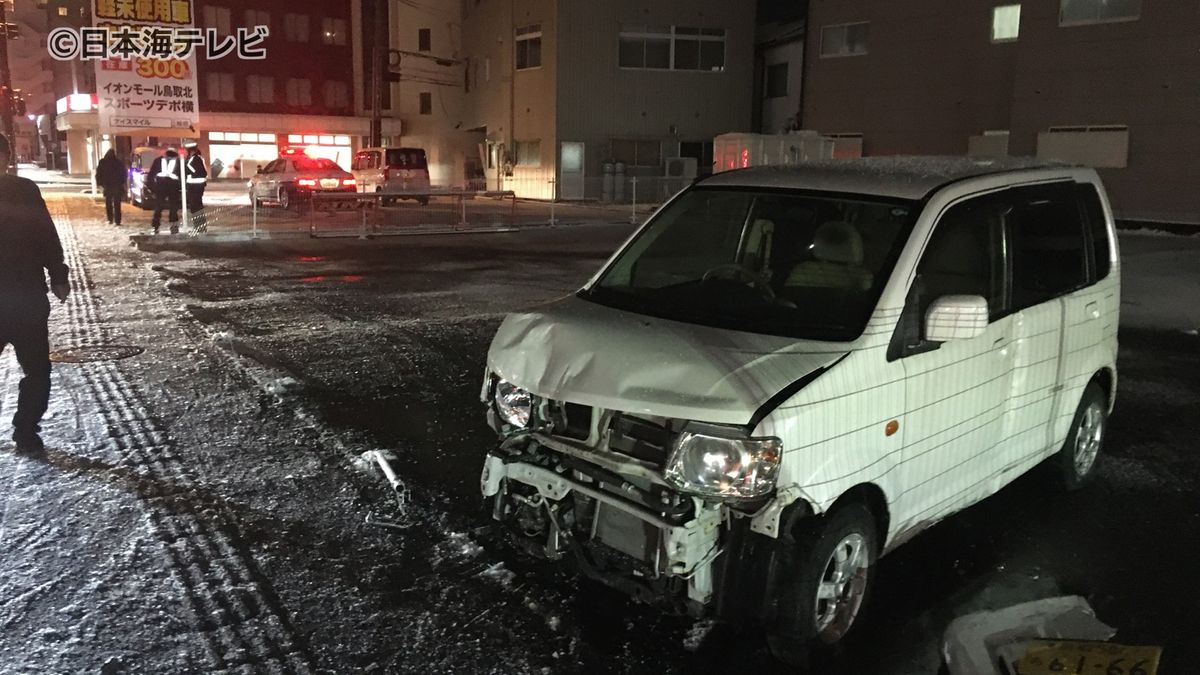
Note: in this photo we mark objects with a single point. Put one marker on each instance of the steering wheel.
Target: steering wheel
(753, 280)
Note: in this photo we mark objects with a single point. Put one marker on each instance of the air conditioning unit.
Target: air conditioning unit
(683, 168)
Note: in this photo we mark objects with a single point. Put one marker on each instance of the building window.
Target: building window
(217, 18)
(424, 40)
(528, 153)
(1098, 11)
(295, 27)
(426, 99)
(671, 48)
(529, 47)
(257, 17)
(698, 49)
(1006, 23)
(333, 31)
(777, 81)
(337, 95)
(636, 153)
(847, 39)
(299, 92)
(260, 89)
(219, 86)
(644, 47)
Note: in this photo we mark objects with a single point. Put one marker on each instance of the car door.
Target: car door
(1049, 261)
(954, 391)
(263, 187)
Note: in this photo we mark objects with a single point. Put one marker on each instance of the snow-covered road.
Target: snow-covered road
(204, 504)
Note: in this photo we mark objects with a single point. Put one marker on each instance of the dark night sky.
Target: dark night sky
(779, 10)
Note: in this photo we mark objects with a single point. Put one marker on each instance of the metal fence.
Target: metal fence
(365, 215)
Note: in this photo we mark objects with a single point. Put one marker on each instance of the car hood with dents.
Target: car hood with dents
(580, 352)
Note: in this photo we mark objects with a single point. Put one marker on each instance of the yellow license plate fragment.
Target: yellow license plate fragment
(1078, 657)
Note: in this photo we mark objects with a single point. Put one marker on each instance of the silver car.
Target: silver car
(293, 179)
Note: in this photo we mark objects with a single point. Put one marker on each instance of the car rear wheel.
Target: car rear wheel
(826, 569)
(1085, 440)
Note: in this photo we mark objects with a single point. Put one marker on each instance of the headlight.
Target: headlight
(514, 404)
(712, 466)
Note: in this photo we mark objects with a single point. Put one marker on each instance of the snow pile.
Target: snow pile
(500, 574)
(461, 543)
(696, 634)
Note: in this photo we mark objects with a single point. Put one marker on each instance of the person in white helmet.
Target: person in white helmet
(166, 176)
(196, 175)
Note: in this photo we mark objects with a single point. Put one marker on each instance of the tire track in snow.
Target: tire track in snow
(235, 611)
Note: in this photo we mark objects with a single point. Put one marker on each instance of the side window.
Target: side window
(357, 164)
(270, 168)
(1098, 226)
(965, 256)
(1049, 248)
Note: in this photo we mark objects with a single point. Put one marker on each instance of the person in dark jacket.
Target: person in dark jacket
(29, 248)
(110, 176)
(166, 177)
(196, 172)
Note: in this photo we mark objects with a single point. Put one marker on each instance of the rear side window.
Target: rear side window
(405, 158)
(1098, 226)
(1049, 247)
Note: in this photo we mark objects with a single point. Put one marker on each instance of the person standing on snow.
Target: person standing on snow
(29, 248)
(110, 175)
(197, 180)
(167, 176)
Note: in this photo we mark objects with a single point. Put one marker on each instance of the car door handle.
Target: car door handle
(1001, 344)
(1092, 310)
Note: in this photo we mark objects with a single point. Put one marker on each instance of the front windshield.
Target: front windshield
(779, 263)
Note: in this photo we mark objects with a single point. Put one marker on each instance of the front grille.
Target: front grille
(640, 439)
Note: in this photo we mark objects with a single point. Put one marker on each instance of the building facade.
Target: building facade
(306, 92)
(561, 88)
(1108, 83)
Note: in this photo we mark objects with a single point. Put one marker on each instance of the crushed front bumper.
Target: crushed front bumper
(657, 546)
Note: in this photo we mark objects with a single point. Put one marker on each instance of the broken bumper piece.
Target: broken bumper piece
(645, 540)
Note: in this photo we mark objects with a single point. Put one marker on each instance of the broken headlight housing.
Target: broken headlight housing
(513, 404)
(728, 467)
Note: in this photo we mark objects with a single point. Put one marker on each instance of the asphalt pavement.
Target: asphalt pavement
(211, 504)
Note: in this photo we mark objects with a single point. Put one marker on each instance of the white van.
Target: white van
(403, 172)
(787, 372)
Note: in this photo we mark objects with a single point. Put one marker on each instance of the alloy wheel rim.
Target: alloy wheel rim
(1088, 438)
(841, 588)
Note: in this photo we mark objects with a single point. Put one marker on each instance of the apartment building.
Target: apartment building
(306, 92)
(560, 88)
(1108, 83)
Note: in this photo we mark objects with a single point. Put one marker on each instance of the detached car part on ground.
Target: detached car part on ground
(788, 372)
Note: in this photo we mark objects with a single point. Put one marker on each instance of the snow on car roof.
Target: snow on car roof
(895, 176)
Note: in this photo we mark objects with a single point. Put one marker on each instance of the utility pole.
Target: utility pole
(6, 86)
(378, 70)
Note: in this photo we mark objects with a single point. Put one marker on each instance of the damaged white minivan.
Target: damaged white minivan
(789, 371)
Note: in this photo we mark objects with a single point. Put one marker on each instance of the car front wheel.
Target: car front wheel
(825, 571)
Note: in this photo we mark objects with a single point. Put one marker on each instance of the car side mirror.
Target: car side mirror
(259, 170)
(956, 317)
